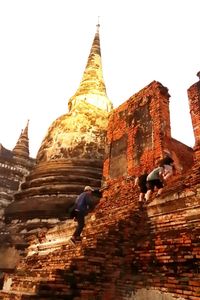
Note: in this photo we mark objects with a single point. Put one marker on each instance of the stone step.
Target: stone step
(96, 236)
(92, 228)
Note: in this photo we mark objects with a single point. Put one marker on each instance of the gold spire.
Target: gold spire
(22, 146)
(98, 25)
(92, 87)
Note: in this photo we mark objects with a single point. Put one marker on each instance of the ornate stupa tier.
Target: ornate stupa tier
(52, 187)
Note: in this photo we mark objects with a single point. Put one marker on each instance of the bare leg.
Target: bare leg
(159, 191)
(167, 176)
(141, 197)
(147, 195)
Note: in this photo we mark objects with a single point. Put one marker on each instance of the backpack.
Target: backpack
(72, 211)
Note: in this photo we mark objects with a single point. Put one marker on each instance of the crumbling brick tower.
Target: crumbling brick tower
(139, 134)
(194, 101)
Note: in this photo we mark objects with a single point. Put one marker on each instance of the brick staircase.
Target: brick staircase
(59, 273)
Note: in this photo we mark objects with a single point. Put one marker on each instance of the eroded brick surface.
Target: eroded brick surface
(139, 134)
(194, 101)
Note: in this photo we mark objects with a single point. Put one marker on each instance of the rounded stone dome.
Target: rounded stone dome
(79, 134)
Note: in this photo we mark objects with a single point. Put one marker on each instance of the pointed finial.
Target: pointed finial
(22, 146)
(92, 87)
(98, 24)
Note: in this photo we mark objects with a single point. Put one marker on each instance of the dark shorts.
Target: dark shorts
(154, 183)
(143, 187)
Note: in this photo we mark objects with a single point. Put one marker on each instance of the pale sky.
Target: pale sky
(44, 46)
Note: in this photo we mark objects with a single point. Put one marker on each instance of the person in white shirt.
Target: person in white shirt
(154, 179)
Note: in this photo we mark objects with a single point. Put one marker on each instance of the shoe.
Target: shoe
(157, 195)
(147, 201)
(72, 241)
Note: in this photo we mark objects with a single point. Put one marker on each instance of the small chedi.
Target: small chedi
(127, 251)
(15, 165)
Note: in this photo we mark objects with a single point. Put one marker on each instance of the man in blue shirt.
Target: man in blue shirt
(82, 205)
